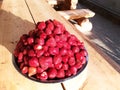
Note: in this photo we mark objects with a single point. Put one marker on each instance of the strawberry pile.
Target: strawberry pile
(49, 52)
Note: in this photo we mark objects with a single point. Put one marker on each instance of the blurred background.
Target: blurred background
(105, 32)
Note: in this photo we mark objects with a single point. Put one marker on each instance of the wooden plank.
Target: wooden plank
(101, 75)
(52, 2)
(0, 4)
(52, 14)
(64, 4)
(15, 20)
(77, 82)
(42, 11)
(76, 14)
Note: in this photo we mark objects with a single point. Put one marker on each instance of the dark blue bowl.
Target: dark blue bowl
(50, 81)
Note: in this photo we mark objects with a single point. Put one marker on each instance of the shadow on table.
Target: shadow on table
(105, 34)
(0, 3)
(11, 28)
(103, 47)
(105, 37)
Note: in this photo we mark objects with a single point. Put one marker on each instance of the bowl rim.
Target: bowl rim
(49, 81)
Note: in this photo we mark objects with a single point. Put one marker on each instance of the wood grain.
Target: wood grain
(17, 17)
(76, 14)
(43, 12)
(101, 75)
(15, 20)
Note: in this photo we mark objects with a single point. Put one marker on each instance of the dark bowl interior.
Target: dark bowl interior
(50, 81)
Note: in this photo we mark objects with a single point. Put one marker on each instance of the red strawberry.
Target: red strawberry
(58, 66)
(81, 47)
(58, 30)
(24, 69)
(19, 60)
(25, 51)
(43, 75)
(60, 73)
(45, 62)
(73, 37)
(50, 25)
(56, 23)
(39, 52)
(43, 35)
(30, 40)
(65, 66)
(71, 61)
(80, 43)
(75, 49)
(63, 51)
(19, 45)
(32, 71)
(73, 70)
(60, 44)
(41, 25)
(59, 25)
(50, 52)
(68, 73)
(46, 53)
(67, 34)
(57, 38)
(32, 33)
(22, 65)
(63, 37)
(33, 62)
(39, 70)
(65, 59)
(48, 31)
(52, 66)
(37, 47)
(39, 41)
(23, 38)
(70, 53)
(25, 43)
(83, 52)
(25, 59)
(67, 46)
(83, 61)
(57, 59)
(72, 40)
(38, 33)
(79, 56)
(20, 56)
(31, 53)
(54, 50)
(52, 73)
(45, 48)
(78, 65)
(51, 42)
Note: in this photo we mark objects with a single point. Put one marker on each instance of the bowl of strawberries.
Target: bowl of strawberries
(50, 54)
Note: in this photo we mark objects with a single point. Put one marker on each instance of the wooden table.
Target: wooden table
(18, 17)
